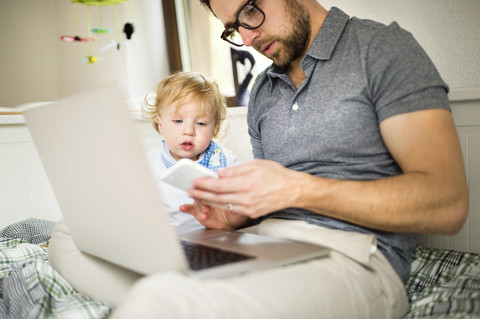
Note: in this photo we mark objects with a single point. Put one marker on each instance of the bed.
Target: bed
(445, 276)
(443, 283)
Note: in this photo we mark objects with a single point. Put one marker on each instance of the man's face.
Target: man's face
(284, 35)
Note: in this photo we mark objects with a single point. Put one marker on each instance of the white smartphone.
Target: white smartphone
(183, 172)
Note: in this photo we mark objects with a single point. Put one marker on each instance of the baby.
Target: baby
(187, 111)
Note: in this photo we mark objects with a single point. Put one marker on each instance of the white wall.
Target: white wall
(449, 30)
(37, 66)
(27, 51)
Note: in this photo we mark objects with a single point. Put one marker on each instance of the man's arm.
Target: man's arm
(429, 197)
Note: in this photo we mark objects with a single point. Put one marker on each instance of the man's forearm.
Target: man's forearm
(411, 202)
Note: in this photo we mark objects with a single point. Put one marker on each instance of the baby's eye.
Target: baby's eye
(177, 121)
(201, 123)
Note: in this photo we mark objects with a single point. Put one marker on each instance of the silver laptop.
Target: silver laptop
(91, 151)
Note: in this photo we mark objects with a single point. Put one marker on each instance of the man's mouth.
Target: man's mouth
(187, 146)
(268, 49)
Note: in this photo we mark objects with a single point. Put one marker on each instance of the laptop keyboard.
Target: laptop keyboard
(201, 257)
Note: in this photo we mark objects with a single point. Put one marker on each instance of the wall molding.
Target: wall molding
(464, 94)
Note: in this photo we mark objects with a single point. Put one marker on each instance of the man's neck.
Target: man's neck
(295, 72)
(317, 17)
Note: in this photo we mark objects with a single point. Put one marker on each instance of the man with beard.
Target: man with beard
(356, 149)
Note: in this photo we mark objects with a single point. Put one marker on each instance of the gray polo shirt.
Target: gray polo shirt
(358, 73)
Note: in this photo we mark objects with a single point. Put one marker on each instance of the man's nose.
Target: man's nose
(248, 35)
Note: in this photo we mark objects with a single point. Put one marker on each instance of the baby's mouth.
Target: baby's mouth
(187, 146)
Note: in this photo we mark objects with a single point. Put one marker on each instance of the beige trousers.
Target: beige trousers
(355, 281)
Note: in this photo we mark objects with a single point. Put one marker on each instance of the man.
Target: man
(354, 137)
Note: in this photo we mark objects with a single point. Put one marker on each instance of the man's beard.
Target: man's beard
(294, 42)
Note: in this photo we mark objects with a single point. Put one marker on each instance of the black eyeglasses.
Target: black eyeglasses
(249, 17)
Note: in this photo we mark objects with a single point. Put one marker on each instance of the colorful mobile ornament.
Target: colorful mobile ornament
(128, 29)
(77, 38)
(91, 59)
(101, 30)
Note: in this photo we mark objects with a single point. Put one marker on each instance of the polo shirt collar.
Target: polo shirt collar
(327, 38)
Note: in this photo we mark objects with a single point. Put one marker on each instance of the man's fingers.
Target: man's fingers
(238, 170)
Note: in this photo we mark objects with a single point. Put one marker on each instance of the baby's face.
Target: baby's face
(186, 132)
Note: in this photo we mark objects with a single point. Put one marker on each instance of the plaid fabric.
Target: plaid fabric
(30, 287)
(444, 284)
(34, 231)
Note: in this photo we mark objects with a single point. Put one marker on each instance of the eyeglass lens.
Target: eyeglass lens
(250, 17)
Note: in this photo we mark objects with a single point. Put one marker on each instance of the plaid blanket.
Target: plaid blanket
(444, 284)
(29, 286)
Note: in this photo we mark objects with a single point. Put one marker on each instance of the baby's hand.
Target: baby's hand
(213, 217)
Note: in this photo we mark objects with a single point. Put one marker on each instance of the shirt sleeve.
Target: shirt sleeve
(402, 78)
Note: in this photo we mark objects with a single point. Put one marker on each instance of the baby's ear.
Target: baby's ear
(157, 123)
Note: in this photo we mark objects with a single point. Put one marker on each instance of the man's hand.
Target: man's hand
(253, 189)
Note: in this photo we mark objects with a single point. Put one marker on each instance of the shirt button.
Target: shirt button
(295, 106)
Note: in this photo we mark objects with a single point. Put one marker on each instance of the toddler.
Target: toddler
(187, 111)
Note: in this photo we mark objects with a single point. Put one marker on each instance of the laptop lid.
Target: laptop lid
(99, 174)
(90, 149)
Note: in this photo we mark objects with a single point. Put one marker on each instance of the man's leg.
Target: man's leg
(332, 287)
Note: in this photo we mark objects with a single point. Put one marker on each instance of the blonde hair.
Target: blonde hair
(183, 87)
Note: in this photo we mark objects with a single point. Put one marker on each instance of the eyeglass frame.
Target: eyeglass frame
(235, 25)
